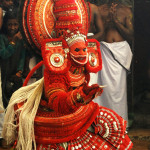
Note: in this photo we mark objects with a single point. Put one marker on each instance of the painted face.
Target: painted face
(12, 27)
(79, 53)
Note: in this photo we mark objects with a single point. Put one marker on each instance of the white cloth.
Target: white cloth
(1, 107)
(90, 34)
(93, 78)
(115, 58)
(32, 63)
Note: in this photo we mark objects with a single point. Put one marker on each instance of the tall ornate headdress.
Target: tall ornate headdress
(46, 19)
(50, 19)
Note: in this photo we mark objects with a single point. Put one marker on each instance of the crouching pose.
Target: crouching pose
(57, 112)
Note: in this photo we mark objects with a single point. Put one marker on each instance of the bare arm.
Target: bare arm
(126, 29)
(97, 22)
(1, 17)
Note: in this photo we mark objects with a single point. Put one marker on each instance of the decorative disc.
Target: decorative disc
(57, 60)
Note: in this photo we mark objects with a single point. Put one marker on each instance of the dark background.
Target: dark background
(139, 78)
(141, 63)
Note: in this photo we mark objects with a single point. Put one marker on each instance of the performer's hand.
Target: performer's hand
(85, 94)
(92, 91)
(17, 37)
(113, 12)
(87, 89)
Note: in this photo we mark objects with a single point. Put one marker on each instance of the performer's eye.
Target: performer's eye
(77, 49)
(84, 49)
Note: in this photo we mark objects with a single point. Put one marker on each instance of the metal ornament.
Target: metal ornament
(57, 60)
(92, 59)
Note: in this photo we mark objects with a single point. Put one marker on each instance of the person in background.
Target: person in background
(96, 29)
(12, 54)
(118, 21)
(7, 5)
(116, 55)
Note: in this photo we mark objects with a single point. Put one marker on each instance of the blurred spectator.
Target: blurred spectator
(7, 5)
(127, 3)
(96, 29)
(16, 3)
(12, 55)
(116, 55)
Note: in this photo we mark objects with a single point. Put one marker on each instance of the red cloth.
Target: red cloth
(73, 129)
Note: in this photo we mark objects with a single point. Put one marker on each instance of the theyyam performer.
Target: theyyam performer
(57, 112)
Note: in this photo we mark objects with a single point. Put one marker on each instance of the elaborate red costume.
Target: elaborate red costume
(62, 113)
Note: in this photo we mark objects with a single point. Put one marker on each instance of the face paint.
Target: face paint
(79, 53)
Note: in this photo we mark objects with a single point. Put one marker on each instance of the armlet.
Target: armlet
(94, 63)
(56, 55)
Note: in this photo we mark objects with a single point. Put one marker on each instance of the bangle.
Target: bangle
(12, 43)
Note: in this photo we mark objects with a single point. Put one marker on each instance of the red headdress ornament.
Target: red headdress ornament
(47, 19)
(52, 19)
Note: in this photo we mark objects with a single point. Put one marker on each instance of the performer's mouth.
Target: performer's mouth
(80, 59)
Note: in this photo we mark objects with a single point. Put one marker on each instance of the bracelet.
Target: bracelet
(79, 99)
(12, 43)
